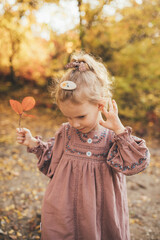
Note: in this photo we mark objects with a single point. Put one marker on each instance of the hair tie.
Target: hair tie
(81, 66)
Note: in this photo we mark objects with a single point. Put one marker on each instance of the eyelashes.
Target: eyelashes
(80, 117)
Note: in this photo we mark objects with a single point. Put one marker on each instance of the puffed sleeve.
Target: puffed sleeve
(128, 154)
(49, 153)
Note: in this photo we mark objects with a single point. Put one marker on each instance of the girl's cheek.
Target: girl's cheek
(83, 121)
(70, 122)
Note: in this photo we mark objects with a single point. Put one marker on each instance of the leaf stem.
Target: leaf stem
(20, 117)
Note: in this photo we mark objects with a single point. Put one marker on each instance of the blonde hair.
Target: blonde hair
(93, 84)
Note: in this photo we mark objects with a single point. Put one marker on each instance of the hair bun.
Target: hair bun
(81, 66)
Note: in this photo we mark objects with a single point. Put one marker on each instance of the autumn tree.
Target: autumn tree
(136, 65)
(12, 31)
(16, 22)
(88, 16)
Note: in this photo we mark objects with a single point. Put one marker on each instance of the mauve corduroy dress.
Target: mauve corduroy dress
(86, 198)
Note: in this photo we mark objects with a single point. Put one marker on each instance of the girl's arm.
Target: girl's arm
(128, 154)
(35, 145)
(48, 153)
(112, 119)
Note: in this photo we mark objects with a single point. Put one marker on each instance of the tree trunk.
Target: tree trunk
(81, 28)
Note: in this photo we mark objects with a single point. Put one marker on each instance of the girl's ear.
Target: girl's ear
(101, 105)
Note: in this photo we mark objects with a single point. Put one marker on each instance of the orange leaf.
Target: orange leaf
(28, 103)
(16, 106)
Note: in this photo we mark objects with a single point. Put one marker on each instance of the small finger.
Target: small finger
(110, 105)
(20, 130)
(20, 137)
(101, 122)
(20, 141)
(115, 107)
(24, 130)
(104, 111)
(22, 134)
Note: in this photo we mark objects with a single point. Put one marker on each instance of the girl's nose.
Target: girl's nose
(75, 124)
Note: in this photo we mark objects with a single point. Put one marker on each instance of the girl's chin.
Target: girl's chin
(86, 130)
(82, 130)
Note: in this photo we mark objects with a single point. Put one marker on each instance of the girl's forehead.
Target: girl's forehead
(69, 108)
(69, 105)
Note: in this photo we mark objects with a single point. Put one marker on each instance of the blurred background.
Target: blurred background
(37, 39)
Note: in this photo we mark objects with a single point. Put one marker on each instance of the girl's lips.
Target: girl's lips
(81, 129)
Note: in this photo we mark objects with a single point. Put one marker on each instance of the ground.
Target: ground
(23, 186)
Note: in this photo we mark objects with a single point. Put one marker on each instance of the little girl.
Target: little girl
(87, 160)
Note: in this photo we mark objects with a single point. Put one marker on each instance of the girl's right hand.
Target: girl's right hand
(25, 137)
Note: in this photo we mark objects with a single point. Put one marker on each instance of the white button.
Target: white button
(88, 154)
(89, 140)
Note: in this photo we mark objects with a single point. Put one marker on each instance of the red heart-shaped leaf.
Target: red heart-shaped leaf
(28, 103)
(16, 106)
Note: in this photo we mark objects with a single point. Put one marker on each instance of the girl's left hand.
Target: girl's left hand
(112, 120)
